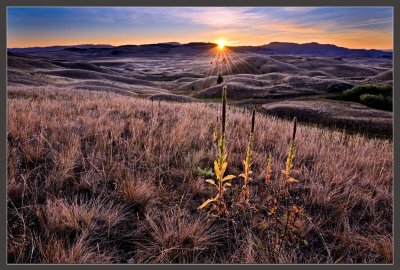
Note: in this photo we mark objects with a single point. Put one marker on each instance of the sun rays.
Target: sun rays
(221, 43)
(222, 60)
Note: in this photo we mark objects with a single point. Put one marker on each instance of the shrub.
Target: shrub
(355, 92)
(375, 96)
(338, 87)
(207, 173)
(377, 101)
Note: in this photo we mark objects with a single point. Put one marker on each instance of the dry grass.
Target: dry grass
(100, 178)
(174, 236)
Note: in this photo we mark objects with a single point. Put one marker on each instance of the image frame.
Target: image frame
(3, 127)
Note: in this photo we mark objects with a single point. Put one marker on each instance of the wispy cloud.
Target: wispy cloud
(347, 26)
(222, 17)
(369, 23)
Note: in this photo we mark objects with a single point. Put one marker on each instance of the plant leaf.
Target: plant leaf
(242, 175)
(212, 182)
(228, 177)
(291, 180)
(216, 169)
(224, 165)
(205, 203)
(215, 136)
(227, 184)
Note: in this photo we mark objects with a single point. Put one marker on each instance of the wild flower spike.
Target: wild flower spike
(253, 120)
(220, 164)
(221, 154)
(223, 109)
(250, 143)
(294, 129)
(289, 161)
(247, 163)
(269, 169)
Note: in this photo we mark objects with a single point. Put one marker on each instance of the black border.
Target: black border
(334, 3)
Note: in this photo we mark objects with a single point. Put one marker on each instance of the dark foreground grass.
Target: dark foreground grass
(102, 178)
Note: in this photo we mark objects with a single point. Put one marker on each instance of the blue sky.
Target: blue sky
(353, 27)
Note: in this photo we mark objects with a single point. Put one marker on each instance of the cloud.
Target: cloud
(252, 25)
(369, 23)
(221, 17)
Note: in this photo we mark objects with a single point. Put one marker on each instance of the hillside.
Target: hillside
(311, 49)
(255, 75)
(165, 72)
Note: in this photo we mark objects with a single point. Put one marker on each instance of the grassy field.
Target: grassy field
(99, 178)
(354, 118)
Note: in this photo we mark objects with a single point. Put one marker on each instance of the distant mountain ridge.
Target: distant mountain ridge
(57, 48)
(325, 50)
(312, 48)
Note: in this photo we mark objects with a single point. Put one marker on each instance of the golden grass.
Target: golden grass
(91, 174)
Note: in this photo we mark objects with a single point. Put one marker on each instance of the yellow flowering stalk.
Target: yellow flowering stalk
(220, 164)
(247, 163)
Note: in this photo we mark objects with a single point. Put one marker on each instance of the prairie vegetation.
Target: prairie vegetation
(186, 74)
(378, 96)
(102, 178)
(336, 114)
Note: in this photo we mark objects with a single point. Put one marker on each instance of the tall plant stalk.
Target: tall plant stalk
(247, 163)
(220, 164)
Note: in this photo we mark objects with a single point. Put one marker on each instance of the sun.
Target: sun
(221, 43)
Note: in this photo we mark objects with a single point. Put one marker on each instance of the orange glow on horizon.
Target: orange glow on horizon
(359, 40)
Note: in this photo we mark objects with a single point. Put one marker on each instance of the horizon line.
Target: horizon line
(205, 42)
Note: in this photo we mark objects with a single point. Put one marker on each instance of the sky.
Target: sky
(351, 27)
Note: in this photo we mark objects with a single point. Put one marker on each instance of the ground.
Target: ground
(99, 177)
